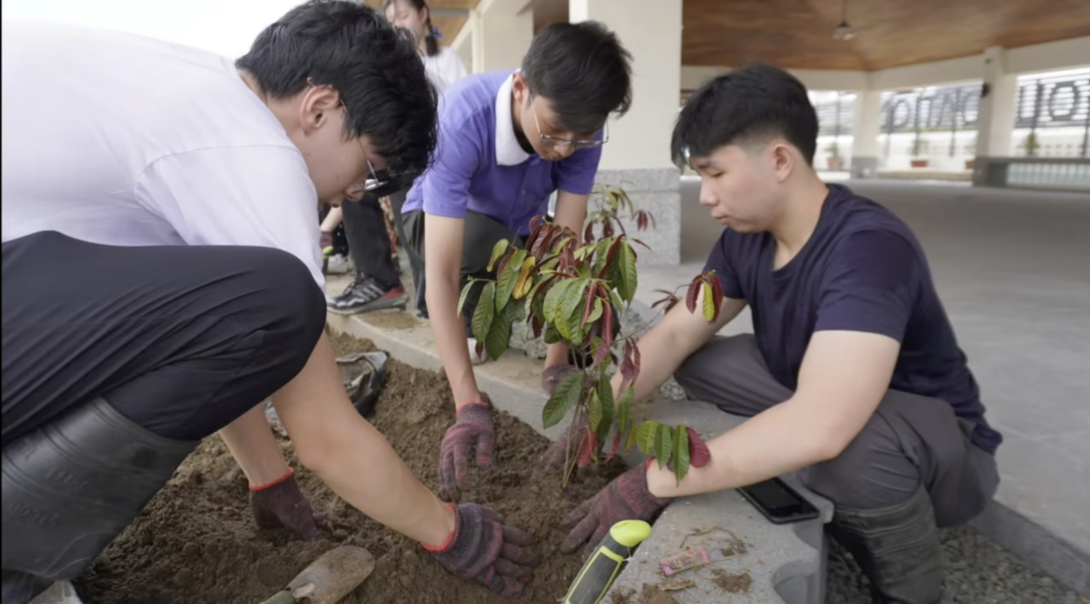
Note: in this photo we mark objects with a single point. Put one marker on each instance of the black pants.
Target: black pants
(181, 340)
(368, 241)
(481, 235)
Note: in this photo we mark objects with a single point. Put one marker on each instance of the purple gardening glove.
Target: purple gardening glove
(482, 548)
(282, 504)
(325, 240)
(626, 498)
(472, 428)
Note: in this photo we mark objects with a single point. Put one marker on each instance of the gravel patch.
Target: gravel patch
(977, 572)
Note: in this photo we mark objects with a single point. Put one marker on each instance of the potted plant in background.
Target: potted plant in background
(836, 162)
(919, 147)
(1031, 145)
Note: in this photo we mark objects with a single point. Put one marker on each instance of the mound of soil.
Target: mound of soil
(196, 541)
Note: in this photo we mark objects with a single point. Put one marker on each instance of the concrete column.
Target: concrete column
(995, 121)
(501, 34)
(637, 156)
(865, 129)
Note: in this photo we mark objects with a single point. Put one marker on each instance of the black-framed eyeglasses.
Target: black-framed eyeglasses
(377, 184)
(560, 142)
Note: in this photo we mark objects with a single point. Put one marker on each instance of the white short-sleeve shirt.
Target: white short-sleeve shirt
(122, 140)
(445, 68)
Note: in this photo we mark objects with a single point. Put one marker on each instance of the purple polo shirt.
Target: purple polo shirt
(479, 165)
(861, 270)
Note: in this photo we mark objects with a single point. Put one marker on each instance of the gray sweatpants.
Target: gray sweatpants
(909, 439)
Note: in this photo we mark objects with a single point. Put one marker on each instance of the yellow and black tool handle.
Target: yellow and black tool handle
(606, 562)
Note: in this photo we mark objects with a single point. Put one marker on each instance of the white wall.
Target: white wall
(224, 26)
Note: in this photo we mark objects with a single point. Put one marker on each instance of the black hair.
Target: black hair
(375, 68)
(746, 105)
(430, 43)
(583, 69)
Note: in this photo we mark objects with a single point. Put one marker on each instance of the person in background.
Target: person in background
(508, 140)
(377, 284)
(170, 281)
(853, 376)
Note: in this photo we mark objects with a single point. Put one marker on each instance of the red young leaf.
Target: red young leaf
(694, 291)
(699, 455)
(634, 240)
(629, 366)
(480, 348)
(590, 441)
(607, 228)
(588, 235)
(611, 253)
(670, 300)
(589, 306)
(607, 327)
(503, 264)
(538, 325)
(536, 221)
(616, 445)
(535, 232)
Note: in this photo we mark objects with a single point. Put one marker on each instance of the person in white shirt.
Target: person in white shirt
(377, 283)
(162, 278)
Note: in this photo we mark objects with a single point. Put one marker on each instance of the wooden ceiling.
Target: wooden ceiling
(797, 34)
(448, 25)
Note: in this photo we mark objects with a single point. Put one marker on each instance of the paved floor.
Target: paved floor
(1013, 269)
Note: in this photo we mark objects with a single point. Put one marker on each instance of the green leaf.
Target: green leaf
(601, 254)
(570, 311)
(596, 313)
(525, 279)
(552, 336)
(626, 272)
(605, 396)
(709, 303)
(465, 296)
(497, 251)
(565, 397)
(646, 437)
(624, 412)
(557, 294)
(499, 335)
(663, 445)
(505, 285)
(681, 453)
(633, 433)
(486, 311)
(514, 313)
(594, 412)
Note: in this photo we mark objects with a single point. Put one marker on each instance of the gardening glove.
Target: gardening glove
(626, 498)
(282, 504)
(482, 548)
(557, 453)
(472, 428)
(554, 375)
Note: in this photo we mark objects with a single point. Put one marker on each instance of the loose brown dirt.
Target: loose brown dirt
(196, 542)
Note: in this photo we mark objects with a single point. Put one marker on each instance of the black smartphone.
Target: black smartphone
(778, 502)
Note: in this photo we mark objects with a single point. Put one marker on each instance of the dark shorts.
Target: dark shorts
(182, 340)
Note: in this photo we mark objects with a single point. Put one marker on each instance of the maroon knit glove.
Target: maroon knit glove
(482, 548)
(557, 453)
(282, 504)
(626, 498)
(472, 428)
(554, 375)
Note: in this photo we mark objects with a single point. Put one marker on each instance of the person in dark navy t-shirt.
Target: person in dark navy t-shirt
(853, 376)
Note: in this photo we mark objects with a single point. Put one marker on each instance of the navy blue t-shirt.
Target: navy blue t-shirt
(861, 270)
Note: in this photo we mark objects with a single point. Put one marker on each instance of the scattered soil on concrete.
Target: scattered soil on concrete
(196, 541)
(732, 582)
(651, 594)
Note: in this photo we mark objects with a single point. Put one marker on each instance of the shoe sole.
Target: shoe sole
(400, 303)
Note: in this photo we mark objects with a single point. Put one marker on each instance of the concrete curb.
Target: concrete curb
(784, 563)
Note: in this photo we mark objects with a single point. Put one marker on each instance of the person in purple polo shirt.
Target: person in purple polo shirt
(507, 141)
(853, 375)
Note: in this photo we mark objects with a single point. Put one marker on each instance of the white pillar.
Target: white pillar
(865, 129)
(641, 139)
(501, 35)
(995, 121)
(637, 156)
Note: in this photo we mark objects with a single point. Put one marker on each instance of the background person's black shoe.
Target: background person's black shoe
(366, 294)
